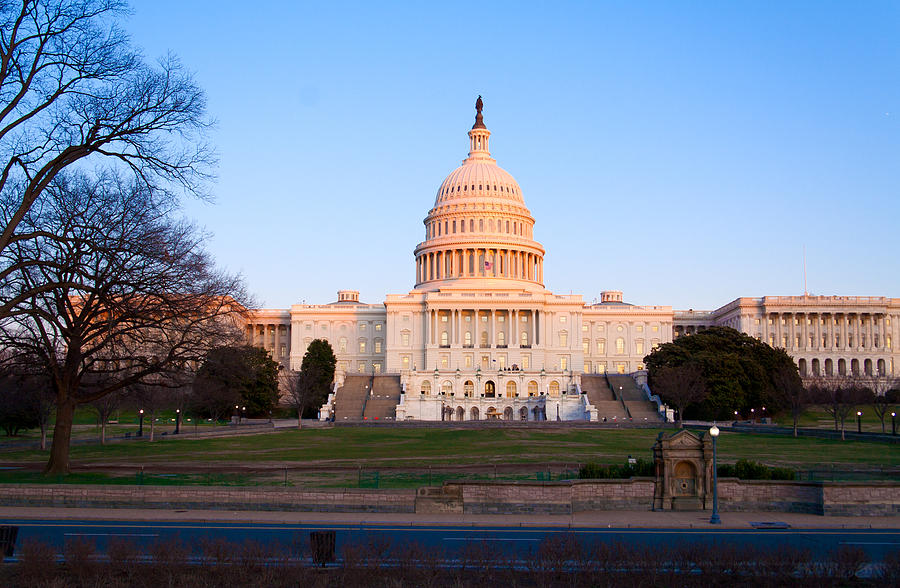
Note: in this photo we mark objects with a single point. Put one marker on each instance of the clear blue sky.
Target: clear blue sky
(684, 153)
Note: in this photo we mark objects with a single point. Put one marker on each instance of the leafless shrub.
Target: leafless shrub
(37, 562)
(80, 557)
(890, 569)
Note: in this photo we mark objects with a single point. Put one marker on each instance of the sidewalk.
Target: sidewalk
(611, 519)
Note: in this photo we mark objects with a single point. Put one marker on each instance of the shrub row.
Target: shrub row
(560, 560)
(596, 471)
(752, 470)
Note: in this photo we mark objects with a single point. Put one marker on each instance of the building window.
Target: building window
(377, 345)
(468, 389)
(445, 362)
(376, 367)
(426, 388)
(467, 338)
(501, 362)
(501, 338)
(526, 359)
(445, 339)
(283, 350)
(562, 319)
(378, 327)
(532, 388)
(446, 388)
(404, 339)
(361, 367)
(601, 346)
(443, 318)
(600, 368)
(362, 327)
(362, 345)
(756, 322)
(524, 338)
(563, 339)
(587, 367)
(404, 362)
(584, 328)
(563, 362)
(639, 347)
(468, 360)
(620, 346)
(640, 328)
(585, 346)
(342, 345)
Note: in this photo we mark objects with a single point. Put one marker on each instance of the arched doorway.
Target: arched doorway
(829, 367)
(523, 414)
(460, 413)
(854, 367)
(868, 367)
(881, 371)
(510, 389)
(554, 389)
(489, 389)
(685, 479)
(473, 414)
(842, 367)
(469, 389)
(815, 367)
(508, 413)
(801, 365)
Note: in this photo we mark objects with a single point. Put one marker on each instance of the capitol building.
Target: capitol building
(480, 337)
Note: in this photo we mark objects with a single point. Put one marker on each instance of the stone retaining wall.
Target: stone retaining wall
(567, 497)
(208, 498)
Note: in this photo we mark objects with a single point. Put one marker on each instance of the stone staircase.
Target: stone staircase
(600, 395)
(351, 398)
(382, 404)
(639, 407)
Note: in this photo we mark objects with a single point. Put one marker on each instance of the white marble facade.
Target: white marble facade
(479, 327)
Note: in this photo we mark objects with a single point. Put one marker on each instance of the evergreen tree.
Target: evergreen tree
(317, 375)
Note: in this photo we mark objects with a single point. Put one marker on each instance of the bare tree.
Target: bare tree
(791, 390)
(73, 92)
(136, 297)
(303, 389)
(882, 386)
(839, 395)
(105, 407)
(680, 386)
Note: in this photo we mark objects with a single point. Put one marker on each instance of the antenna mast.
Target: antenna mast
(805, 291)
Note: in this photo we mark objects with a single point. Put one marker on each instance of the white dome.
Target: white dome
(479, 228)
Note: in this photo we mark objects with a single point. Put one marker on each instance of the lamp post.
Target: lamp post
(714, 519)
(893, 423)
(141, 423)
(177, 420)
(859, 421)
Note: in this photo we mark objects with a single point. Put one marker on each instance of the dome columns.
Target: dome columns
(479, 262)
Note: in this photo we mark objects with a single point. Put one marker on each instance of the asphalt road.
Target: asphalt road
(508, 541)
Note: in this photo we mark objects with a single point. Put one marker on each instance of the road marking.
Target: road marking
(868, 543)
(484, 539)
(111, 534)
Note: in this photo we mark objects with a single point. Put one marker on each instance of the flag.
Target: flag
(487, 265)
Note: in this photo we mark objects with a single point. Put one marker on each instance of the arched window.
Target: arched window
(620, 346)
(510, 389)
(469, 389)
(468, 338)
(445, 339)
(342, 345)
(563, 338)
(532, 388)
(489, 389)
(524, 338)
(484, 339)
(501, 338)
(554, 388)
(446, 388)
(426, 387)
(362, 345)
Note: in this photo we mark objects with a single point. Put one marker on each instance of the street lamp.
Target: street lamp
(141, 423)
(177, 420)
(859, 421)
(893, 423)
(714, 519)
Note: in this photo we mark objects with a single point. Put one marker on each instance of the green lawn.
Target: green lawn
(374, 448)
